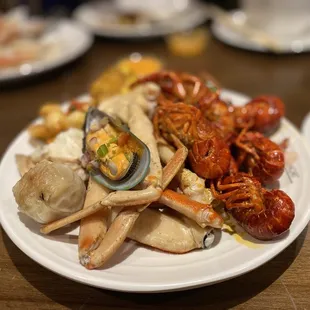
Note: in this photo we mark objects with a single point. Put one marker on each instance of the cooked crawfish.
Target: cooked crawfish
(263, 214)
(233, 167)
(169, 82)
(209, 155)
(182, 87)
(261, 114)
(260, 156)
(190, 107)
(202, 93)
(220, 114)
(179, 119)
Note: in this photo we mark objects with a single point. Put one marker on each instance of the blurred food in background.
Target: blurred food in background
(112, 81)
(22, 38)
(118, 77)
(141, 64)
(188, 44)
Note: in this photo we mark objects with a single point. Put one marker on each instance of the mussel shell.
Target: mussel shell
(135, 174)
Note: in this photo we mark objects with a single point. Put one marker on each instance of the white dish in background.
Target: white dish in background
(68, 39)
(138, 269)
(286, 44)
(170, 17)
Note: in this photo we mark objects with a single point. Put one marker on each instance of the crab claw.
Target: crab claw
(202, 214)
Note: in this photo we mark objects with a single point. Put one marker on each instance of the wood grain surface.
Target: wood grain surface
(282, 283)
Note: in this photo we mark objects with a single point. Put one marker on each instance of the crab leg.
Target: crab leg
(94, 227)
(125, 221)
(143, 95)
(165, 150)
(115, 199)
(112, 240)
(170, 233)
(190, 184)
(202, 214)
(142, 127)
(195, 204)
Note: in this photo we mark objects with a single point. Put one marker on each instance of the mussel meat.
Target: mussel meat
(112, 154)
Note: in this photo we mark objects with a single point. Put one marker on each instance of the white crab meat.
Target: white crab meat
(170, 233)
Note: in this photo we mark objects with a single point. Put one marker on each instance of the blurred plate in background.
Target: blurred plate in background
(140, 19)
(65, 41)
(231, 36)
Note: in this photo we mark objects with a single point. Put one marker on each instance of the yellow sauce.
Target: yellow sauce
(239, 237)
(116, 162)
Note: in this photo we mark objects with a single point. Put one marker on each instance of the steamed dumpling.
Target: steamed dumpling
(49, 191)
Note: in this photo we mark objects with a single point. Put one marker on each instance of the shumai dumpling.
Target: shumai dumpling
(49, 191)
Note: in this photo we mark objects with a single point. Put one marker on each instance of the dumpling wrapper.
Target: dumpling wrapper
(49, 191)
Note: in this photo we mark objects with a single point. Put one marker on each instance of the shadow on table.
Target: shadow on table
(220, 296)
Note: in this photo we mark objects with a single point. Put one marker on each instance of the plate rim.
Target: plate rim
(38, 68)
(157, 288)
(134, 35)
(218, 34)
(304, 125)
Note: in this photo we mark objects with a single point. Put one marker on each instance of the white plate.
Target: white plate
(229, 36)
(70, 41)
(171, 17)
(138, 269)
(305, 127)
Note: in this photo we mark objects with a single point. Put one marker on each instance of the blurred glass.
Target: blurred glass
(188, 44)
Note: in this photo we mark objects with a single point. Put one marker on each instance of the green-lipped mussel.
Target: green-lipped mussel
(113, 155)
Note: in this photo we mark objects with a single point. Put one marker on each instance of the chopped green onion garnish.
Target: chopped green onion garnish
(128, 156)
(102, 151)
(89, 168)
(112, 140)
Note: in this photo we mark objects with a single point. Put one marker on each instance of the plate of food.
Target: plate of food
(140, 19)
(234, 28)
(166, 173)
(32, 45)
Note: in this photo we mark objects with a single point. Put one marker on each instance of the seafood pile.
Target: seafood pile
(228, 148)
(164, 161)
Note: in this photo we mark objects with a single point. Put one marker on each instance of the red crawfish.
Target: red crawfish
(263, 214)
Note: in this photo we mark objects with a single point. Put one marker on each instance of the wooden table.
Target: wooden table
(283, 283)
